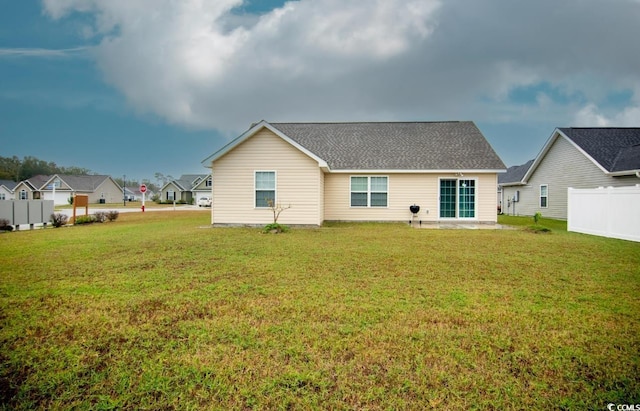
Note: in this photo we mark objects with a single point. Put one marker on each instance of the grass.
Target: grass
(543, 225)
(155, 312)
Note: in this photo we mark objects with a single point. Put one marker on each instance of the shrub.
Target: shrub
(112, 215)
(85, 219)
(59, 219)
(536, 217)
(100, 217)
(4, 225)
(275, 228)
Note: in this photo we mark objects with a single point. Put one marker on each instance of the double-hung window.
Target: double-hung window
(265, 188)
(544, 195)
(369, 191)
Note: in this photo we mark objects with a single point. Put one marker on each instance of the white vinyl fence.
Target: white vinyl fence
(609, 212)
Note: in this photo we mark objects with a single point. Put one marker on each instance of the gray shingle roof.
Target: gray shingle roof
(615, 149)
(83, 183)
(9, 184)
(455, 145)
(515, 174)
(186, 181)
(77, 183)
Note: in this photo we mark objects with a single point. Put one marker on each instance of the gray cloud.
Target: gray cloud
(202, 65)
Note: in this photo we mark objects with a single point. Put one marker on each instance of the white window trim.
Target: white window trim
(475, 202)
(540, 196)
(275, 187)
(369, 191)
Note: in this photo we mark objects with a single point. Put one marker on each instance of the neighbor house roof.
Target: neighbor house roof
(514, 174)
(87, 183)
(615, 149)
(386, 146)
(76, 182)
(10, 185)
(186, 182)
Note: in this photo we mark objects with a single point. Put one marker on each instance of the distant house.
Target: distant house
(355, 172)
(187, 188)
(571, 157)
(99, 188)
(6, 189)
(512, 178)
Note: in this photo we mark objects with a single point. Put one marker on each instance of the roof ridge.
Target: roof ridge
(371, 122)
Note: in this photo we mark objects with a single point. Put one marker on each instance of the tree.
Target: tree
(162, 179)
(10, 168)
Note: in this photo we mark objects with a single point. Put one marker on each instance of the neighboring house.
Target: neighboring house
(187, 188)
(355, 172)
(572, 157)
(6, 189)
(512, 178)
(99, 188)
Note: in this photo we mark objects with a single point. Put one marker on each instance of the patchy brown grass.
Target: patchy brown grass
(154, 312)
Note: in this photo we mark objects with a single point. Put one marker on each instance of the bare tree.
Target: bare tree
(277, 209)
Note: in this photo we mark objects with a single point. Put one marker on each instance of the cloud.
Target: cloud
(591, 116)
(209, 64)
(39, 52)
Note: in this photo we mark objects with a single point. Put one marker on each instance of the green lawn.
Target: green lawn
(154, 311)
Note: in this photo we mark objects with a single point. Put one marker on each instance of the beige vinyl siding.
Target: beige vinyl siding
(298, 183)
(562, 167)
(405, 190)
(112, 193)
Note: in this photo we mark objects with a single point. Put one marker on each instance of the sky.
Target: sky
(138, 87)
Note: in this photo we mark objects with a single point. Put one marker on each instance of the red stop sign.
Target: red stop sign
(143, 188)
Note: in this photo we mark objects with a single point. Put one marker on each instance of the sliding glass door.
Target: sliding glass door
(457, 198)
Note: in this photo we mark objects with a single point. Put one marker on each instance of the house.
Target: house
(572, 157)
(512, 178)
(6, 189)
(187, 188)
(59, 187)
(355, 172)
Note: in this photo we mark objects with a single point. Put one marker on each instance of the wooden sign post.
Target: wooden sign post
(80, 200)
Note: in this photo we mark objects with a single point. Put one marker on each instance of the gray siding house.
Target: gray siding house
(99, 188)
(6, 189)
(187, 188)
(571, 157)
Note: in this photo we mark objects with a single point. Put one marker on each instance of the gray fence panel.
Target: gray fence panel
(6, 211)
(26, 211)
(20, 212)
(47, 210)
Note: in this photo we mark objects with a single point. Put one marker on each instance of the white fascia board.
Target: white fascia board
(557, 133)
(624, 173)
(321, 162)
(512, 184)
(230, 145)
(364, 171)
(584, 153)
(52, 179)
(250, 133)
